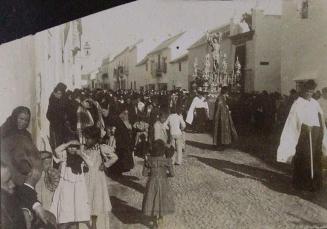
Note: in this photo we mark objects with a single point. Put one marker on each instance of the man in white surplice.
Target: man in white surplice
(303, 111)
(199, 101)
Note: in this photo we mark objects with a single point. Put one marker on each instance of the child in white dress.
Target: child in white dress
(70, 201)
(102, 157)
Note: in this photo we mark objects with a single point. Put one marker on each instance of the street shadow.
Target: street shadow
(128, 181)
(305, 222)
(200, 145)
(272, 180)
(263, 147)
(127, 214)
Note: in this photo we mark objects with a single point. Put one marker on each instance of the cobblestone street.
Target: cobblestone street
(227, 189)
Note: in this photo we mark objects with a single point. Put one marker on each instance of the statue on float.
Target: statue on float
(211, 79)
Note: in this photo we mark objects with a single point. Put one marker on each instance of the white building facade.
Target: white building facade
(304, 43)
(31, 67)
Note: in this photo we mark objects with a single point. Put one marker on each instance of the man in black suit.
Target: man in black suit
(35, 214)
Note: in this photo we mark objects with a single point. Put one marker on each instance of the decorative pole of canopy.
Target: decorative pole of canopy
(237, 75)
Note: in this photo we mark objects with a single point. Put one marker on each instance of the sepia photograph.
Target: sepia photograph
(168, 114)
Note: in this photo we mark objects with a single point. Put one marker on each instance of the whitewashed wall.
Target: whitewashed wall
(30, 68)
(17, 77)
(179, 78)
(267, 48)
(304, 44)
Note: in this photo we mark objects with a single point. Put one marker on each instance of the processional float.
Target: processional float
(211, 80)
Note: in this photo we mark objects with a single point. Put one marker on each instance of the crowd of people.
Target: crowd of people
(94, 133)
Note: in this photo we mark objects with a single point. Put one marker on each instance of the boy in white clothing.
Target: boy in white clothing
(176, 126)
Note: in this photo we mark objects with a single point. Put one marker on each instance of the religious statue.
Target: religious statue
(247, 18)
(214, 41)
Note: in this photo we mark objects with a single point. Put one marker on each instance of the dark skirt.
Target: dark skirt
(124, 163)
(302, 179)
(158, 199)
(200, 120)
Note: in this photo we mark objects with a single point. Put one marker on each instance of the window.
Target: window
(305, 9)
(164, 67)
(180, 66)
(264, 63)
(153, 68)
(159, 62)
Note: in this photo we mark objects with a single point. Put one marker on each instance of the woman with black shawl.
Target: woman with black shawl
(17, 123)
(57, 115)
(124, 143)
(17, 147)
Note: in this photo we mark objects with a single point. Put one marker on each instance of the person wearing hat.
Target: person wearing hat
(304, 141)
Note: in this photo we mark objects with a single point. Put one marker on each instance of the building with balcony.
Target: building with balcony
(165, 64)
(118, 70)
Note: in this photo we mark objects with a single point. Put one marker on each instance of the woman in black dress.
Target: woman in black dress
(57, 115)
(124, 143)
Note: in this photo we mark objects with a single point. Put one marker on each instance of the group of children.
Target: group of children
(79, 195)
(168, 145)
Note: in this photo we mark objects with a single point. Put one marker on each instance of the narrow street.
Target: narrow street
(228, 189)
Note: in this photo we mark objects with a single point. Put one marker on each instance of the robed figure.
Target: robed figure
(198, 113)
(224, 129)
(303, 141)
